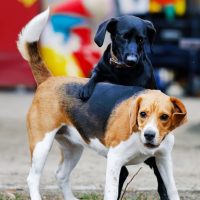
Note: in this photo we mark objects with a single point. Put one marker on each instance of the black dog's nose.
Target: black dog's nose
(131, 59)
(149, 135)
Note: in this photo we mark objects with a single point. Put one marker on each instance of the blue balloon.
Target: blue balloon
(64, 23)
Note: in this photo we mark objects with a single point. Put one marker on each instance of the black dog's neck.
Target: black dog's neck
(107, 56)
(114, 60)
(139, 75)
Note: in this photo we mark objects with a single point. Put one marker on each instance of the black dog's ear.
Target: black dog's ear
(108, 25)
(151, 32)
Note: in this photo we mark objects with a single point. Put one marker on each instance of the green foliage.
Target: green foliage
(13, 197)
(81, 196)
(90, 196)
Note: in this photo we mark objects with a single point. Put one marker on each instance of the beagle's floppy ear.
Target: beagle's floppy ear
(134, 113)
(179, 116)
(109, 26)
(151, 32)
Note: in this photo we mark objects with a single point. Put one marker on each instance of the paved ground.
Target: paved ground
(90, 172)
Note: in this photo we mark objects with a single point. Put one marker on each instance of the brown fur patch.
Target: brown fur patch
(38, 67)
(118, 128)
(180, 113)
(46, 113)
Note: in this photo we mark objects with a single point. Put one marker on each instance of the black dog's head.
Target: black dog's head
(128, 34)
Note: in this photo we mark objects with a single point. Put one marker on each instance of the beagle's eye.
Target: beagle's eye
(143, 114)
(164, 117)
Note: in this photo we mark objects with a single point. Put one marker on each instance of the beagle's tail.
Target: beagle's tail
(28, 46)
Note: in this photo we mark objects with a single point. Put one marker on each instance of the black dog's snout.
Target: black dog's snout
(131, 59)
(149, 135)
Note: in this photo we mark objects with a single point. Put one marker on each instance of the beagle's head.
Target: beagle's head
(154, 115)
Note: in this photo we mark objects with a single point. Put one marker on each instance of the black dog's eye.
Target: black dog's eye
(127, 35)
(164, 117)
(143, 114)
(140, 40)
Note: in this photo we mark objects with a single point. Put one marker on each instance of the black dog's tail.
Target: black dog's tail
(28, 46)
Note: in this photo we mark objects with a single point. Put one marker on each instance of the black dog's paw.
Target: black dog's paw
(86, 92)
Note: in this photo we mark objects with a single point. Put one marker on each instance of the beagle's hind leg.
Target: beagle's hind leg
(71, 154)
(39, 152)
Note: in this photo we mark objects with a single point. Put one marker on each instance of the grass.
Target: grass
(11, 197)
(56, 195)
(81, 196)
(91, 196)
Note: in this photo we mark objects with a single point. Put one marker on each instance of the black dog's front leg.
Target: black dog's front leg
(87, 90)
(122, 177)
(161, 186)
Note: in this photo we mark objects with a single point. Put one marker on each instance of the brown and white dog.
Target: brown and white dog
(125, 124)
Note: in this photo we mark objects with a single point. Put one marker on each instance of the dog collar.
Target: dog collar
(114, 60)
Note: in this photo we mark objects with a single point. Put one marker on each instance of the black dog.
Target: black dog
(125, 62)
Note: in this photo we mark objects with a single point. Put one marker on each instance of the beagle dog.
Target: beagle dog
(125, 124)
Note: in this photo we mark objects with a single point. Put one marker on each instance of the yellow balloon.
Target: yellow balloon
(54, 61)
(61, 65)
(72, 68)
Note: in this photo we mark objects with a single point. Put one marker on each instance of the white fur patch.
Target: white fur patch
(71, 155)
(152, 126)
(165, 167)
(31, 32)
(74, 136)
(135, 151)
(134, 148)
(40, 154)
(97, 146)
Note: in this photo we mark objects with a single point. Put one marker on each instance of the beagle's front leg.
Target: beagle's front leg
(164, 163)
(114, 165)
(117, 157)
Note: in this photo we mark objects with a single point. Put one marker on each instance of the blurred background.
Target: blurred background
(68, 49)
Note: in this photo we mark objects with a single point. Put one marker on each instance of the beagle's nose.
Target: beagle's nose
(131, 59)
(149, 135)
